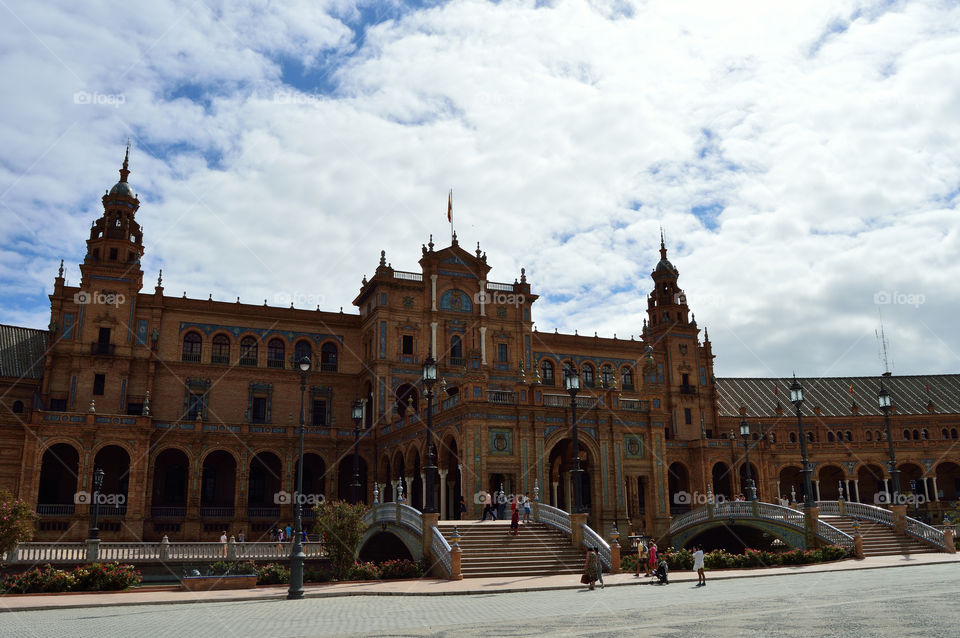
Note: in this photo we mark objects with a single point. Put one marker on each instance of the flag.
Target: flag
(851, 389)
(928, 388)
(774, 389)
(450, 207)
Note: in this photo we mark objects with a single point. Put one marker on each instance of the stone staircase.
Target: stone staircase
(878, 539)
(489, 550)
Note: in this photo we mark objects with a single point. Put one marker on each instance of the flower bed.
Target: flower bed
(718, 559)
(95, 577)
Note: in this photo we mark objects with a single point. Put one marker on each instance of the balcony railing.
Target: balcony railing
(112, 511)
(57, 509)
(191, 357)
(221, 359)
(102, 348)
(275, 363)
(168, 512)
(272, 513)
(635, 404)
(216, 512)
(248, 361)
(456, 361)
(328, 367)
(409, 276)
(502, 396)
(688, 389)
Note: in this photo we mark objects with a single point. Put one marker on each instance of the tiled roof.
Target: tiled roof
(909, 395)
(22, 352)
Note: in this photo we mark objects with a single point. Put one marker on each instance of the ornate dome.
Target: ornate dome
(122, 188)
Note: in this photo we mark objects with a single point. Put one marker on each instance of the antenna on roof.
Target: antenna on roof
(884, 344)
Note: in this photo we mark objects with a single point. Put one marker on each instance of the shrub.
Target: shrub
(272, 574)
(95, 577)
(400, 568)
(628, 563)
(240, 568)
(16, 521)
(363, 571)
(341, 525)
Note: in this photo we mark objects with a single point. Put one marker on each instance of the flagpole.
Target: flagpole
(450, 213)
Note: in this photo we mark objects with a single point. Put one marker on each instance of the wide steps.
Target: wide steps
(878, 539)
(488, 550)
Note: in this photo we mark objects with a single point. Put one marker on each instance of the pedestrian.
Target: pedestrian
(698, 565)
(642, 558)
(652, 559)
(515, 522)
(461, 508)
(526, 508)
(303, 536)
(278, 536)
(241, 539)
(223, 543)
(289, 531)
(591, 569)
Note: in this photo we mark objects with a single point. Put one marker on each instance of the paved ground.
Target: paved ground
(914, 601)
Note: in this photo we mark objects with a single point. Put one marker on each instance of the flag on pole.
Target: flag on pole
(450, 207)
(851, 389)
(774, 389)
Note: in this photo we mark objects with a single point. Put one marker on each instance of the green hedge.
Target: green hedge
(94, 577)
(681, 560)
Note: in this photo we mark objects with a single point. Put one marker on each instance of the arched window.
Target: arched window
(248, 351)
(328, 357)
(953, 433)
(191, 347)
(275, 353)
(869, 436)
(916, 435)
(588, 379)
(848, 435)
(809, 437)
(607, 377)
(906, 435)
(944, 434)
(793, 437)
(830, 437)
(546, 372)
(18, 407)
(221, 350)
(456, 350)
(626, 375)
(302, 349)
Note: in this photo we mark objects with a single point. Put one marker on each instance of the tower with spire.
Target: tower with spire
(115, 245)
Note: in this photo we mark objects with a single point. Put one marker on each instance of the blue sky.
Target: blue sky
(802, 159)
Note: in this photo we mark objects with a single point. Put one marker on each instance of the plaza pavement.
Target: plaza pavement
(434, 587)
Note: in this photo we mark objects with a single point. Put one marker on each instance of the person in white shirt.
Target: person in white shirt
(223, 543)
(698, 565)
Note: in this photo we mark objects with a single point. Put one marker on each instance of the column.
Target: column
(886, 487)
(936, 493)
(779, 495)
(443, 494)
(433, 339)
(393, 485)
(816, 489)
(926, 491)
(856, 490)
(433, 292)
(483, 345)
(483, 298)
(423, 488)
(569, 492)
(407, 482)
(846, 489)
(553, 492)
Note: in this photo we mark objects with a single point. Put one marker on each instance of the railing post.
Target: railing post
(164, 548)
(811, 516)
(232, 549)
(93, 549)
(429, 522)
(577, 521)
(455, 556)
(899, 519)
(14, 554)
(948, 542)
(615, 550)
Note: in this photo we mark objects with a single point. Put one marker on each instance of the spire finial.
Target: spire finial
(478, 250)
(60, 272)
(523, 275)
(383, 258)
(430, 245)
(160, 279)
(663, 247)
(125, 172)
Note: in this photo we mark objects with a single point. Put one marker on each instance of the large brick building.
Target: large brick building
(191, 406)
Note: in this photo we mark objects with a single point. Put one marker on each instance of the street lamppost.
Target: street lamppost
(429, 378)
(883, 399)
(357, 418)
(751, 486)
(796, 397)
(95, 504)
(571, 380)
(295, 592)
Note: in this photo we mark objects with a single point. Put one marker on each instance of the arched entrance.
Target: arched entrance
(58, 480)
(345, 479)
(870, 484)
(831, 477)
(791, 484)
(115, 463)
(721, 481)
(948, 481)
(911, 479)
(169, 492)
(265, 491)
(678, 482)
(452, 464)
(561, 463)
(218, 483)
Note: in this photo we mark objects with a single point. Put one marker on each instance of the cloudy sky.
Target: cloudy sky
(803, 158)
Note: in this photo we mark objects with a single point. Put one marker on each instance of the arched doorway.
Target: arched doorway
(58, 480)
(452, 464)
(678, 483)
(169, 491)
(561, 464)
(345, 479)
(265, 489)
(831, 477)
(791, 484)
(870, 484)
(722, 481)
(115, 463)
(948, 481)
(911, 479)
(217, 486)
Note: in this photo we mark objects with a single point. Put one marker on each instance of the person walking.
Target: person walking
(642, 558)
(591, 569)
(515, 522)
(527, 508)
(698, 565)
(461, 508)
(652, 559)
(223, 543)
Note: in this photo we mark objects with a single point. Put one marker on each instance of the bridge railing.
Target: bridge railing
(37, 553)
(926, 533)
(441, 550)
(47, 553)
(404, 515)
(862, 511)
(553, 516)
(593, 539)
